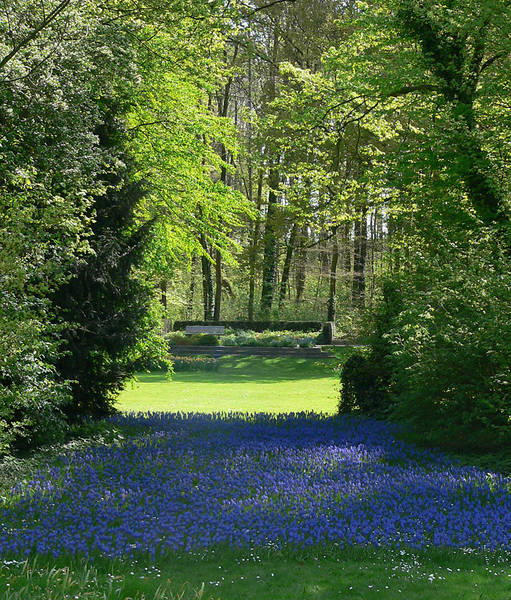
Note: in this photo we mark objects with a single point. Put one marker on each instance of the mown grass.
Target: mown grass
(357, 574)
(246, 384)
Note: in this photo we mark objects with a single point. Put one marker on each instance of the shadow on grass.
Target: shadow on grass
(251, 369)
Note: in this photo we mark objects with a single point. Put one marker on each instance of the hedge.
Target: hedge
(256, 325)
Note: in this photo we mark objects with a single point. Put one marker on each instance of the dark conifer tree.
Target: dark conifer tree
(103, 306)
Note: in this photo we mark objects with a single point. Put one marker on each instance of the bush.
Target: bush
(32, 399)
(366, 379)
(283, 341)
(361, 389)
(307, 342)
(229, 340)
(178, 339)
(194, 363)
(32, 415)
(204, 339)
(452, 349)
(247, 339)
(278, 339)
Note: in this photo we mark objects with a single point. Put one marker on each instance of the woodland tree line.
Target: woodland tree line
(307, 159)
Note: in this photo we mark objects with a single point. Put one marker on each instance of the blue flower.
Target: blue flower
(193, 481)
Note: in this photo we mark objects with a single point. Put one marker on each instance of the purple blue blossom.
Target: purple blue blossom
(192, 481)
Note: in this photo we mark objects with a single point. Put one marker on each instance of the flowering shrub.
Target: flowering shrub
(194, 363)
(193, 481)
(287, 339)
(241, 338)
(307, 341)
(197, 339)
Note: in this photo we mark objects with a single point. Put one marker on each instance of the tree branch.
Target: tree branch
(490, 61)
(26, 41)
(408, 89)
(269, 5)
(148, 124)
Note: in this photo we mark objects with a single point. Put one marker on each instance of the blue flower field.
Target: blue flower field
(192, 481)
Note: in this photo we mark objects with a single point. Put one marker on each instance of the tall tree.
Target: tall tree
(53, 71)
(331, 304)
(105, 307)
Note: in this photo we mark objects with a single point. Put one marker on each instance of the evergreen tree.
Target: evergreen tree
(105, 306)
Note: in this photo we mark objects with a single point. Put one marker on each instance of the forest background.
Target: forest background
(307, 159)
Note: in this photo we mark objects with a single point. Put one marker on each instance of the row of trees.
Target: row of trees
(375, 152)
(107, 145)
(294, 158)
(439, 75)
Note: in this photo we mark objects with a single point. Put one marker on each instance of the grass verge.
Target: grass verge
(357, 574)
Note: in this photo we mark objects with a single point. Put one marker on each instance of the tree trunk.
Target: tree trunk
(270, 233)
(163, 289)
(218, 285)
(191, 289)
(207, 282)
(270, 245)
(253, 248)
(358, 289)
(287, 264)
(300, 266)
(346, 256)
(218, 254)
(333, 279)
(223, 109)
(459, 87)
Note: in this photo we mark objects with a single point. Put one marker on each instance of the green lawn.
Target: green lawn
(357, 574)
(269, 385)
(247, 384)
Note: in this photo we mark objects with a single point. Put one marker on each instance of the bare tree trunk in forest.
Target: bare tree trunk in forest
(287, 264)
(394, 251)
(252, 253)
(300, 266)
(346, 255)
(333, 279)
(218, 285)
(270, 234)
(163, 288)
(218, 257)
(397, 250)
(207, 282)
(223, 109)
(270, 245)
(324, 257)
(253, 247)
(191, 289)
(358, 290)
(372, 234)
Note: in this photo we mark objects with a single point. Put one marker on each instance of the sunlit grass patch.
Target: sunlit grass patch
(246, 384)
